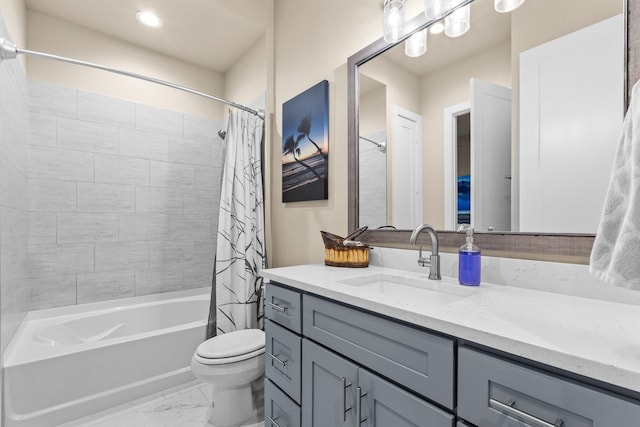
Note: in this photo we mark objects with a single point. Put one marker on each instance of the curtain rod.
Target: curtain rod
(9, 50)
(382, 146)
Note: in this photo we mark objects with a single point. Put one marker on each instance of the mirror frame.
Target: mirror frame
(568, 248)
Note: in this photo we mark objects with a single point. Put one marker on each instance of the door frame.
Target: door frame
(451, 113)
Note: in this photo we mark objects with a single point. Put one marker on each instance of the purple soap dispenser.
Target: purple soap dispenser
(469, 263)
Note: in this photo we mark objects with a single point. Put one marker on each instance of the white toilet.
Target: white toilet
(233, 364)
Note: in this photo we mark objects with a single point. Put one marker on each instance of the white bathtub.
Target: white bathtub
(70, 362)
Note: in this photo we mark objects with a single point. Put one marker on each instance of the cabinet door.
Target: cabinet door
(328, 388)
(384, 404)
(279, 409)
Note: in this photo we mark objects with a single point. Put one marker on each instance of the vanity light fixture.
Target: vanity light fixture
(393, 20)
(504, 6)
(148, 18)
(416, 45)
(458, 23)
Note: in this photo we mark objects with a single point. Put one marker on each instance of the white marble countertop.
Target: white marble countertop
(589, 337)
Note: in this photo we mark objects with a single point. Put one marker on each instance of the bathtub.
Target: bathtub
(70, 362)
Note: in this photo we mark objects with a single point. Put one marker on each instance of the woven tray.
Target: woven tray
(336, 254)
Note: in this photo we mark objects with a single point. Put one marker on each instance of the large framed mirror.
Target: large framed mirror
(511, 127)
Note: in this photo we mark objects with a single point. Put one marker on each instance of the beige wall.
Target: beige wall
(492, 65)
(313, 41)
(247, 78)
(62, 38)
(373, 113)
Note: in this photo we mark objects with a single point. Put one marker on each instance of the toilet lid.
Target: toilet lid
(232, 344)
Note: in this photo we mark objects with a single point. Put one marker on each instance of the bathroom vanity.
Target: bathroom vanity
(383, 347)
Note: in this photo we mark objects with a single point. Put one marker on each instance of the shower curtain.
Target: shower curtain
(236, 294)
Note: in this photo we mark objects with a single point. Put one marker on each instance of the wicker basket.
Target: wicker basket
(336, 254)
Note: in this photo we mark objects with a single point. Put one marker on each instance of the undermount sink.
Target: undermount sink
(417, 290)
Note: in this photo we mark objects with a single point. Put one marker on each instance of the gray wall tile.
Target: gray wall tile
(158, 279)
(46, 98)
(63, 165)
(159, 200)
(199, 128)
(208, 177)
(144, 227)
(12, 184)
(164, 122)
(164, 174)
(47, 260)
(98, 108)
(195, 227)
(105, 286)
(87, 227)
(42, 228)
(121, 170)
(122, 256)
(202, 202)
(172, 252)
(206, 249)
(52, 196)
(106, 197)
(197, 275)
(13, 229)
(42, 129)
(145, 145)
(190, 151)
(52, 291)
(86, 136)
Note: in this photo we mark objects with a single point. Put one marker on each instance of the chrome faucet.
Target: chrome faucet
(433, 262)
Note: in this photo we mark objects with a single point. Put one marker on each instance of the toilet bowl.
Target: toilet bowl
(233, 364)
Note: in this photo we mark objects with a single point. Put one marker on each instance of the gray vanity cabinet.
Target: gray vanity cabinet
(494, 392)
(336, 392)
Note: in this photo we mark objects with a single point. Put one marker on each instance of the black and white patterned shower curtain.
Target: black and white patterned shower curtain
(236, 295)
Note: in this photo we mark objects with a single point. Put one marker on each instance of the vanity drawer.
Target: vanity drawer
(279, 409)
(283, 359)
(495, 392)
(283, 306)
(408, 356)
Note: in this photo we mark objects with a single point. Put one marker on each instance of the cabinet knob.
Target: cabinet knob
(345, 386)
(359, 406)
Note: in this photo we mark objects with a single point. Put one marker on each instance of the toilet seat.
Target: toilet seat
(231, 347)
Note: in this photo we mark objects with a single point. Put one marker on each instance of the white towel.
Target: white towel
(615, 257)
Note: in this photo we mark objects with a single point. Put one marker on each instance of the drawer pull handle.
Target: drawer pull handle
(345, 386)
(273, 421)
(275, 358)
(510, 409)
(359, 406)
(278, 308)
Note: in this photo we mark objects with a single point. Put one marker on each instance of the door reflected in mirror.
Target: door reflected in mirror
(510, 127)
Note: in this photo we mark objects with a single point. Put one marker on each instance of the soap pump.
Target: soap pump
(469, 260)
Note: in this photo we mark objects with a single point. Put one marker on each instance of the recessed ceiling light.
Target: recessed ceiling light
(436, 28)
(148, 18)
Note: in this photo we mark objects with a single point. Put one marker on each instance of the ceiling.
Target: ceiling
(212, 34)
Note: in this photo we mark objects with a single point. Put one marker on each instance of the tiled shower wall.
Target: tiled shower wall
(13, 197)
(373, 181)
(123, 198)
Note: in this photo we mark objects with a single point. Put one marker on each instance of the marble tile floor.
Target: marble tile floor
(183, 406)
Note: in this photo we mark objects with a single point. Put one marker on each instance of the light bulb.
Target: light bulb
(504, 6)
(416, 45)
(393, 20)
(458, 22)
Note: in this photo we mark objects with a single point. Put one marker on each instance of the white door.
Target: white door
(406, 188)
(571, 112)
(490, 156)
